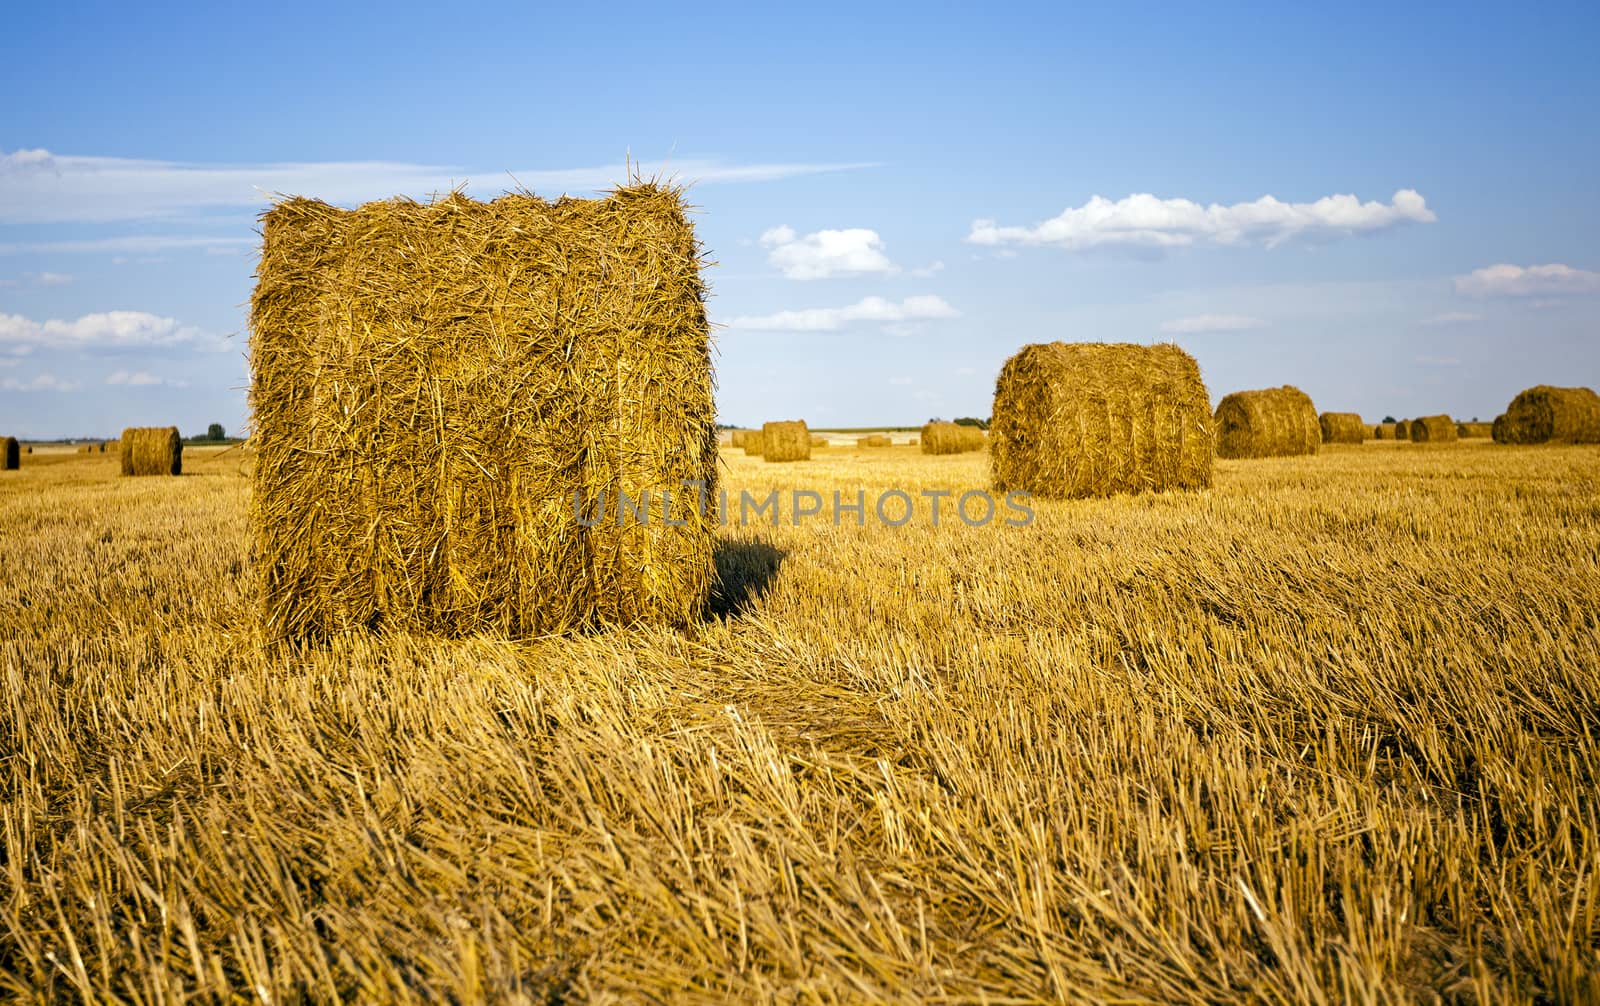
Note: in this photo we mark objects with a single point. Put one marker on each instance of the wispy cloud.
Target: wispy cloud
(132, 244)
(1505, 280)
(1211, 323)
(1145, 220)
(143, 379)
(1452, 318)
(37, 186)
(828, 319)
(41, 382)
(823, 254)
(106, 330)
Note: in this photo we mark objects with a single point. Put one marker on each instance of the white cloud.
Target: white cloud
(1144, 220)
(48, 278)
(37, 186)
(828, 319)
(107, 330)
(135, 244)
(1506, 280)
(1212, 323)
(143, 379)
(822, 254)
(1452, 318)
(42, 382)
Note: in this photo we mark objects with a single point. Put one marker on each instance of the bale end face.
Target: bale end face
(1075, 420)
(786, 441)
(10, 454)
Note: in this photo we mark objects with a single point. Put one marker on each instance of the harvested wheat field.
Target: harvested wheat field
(1322, 732)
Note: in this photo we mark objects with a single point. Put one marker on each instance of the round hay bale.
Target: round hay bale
(1074, 420)
(875, 440)
(1474, 430)
(152, 450)
(1342, 428)
(1499, 430)
(736, 437)
(451, 399)
(1433, 430)
(818, 441)
(753, 443)
(950, 438)
(915, 441)
(86, 448)
(1546, 414)
(1383, 431)
(1272, 422)
(12, 454)
(786, 441)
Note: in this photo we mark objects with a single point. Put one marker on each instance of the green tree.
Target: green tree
(215, 432)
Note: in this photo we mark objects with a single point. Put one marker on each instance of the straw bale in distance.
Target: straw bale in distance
(818, 441)
(875, 440)
(1545, 414)
(1271, 422)
(951, 438)
(436, 389)
(12, 451)
(1433, 430)
(1093, 419)
(753, 443)
(1383, 431)
(1342, 428)
(786, 441)
(86, 448)
(736, 437)
(1472, 430)
(1402, 430)
(152, 450)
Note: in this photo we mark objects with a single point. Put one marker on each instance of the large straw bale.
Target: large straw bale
(1092, 419)
(1342, 428)
(440, 389)
(951, 438)
(1545, 414)
(152, 450)
(1271, 422)
(10, 454)
(1433, 430)
(786, 441)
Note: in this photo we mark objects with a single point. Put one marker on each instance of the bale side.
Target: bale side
(1383, 431)
(736, 437)
(1342, 428)
(1500, 430)
(1075, 420)
(12, 451)
(786, 441)
(1546, 414)
(151, 450)
(753, 443)
(1402, 430)
(951, 438)
(1271, 422)
(1433, 430)
(444, 393)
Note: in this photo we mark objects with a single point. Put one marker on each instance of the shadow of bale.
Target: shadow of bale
(744, 570)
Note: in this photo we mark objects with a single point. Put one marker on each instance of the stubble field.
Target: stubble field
(1328, 732)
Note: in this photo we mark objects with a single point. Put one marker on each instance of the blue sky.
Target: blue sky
(1392, 210)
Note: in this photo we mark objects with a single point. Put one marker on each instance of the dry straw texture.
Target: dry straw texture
(437, 387)
(753, 443)
(152, 450)
(951, 438)
(818, 441)
(1468, 430)
(1545, 414)
(86, 448)
(1092, 419)
(1342, 428)
(1272, 422)
(1383, 431)
(875, 440)
(1402, 430)
(736, 438)
(1433, 430)
(12, 451)
(786, 441)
